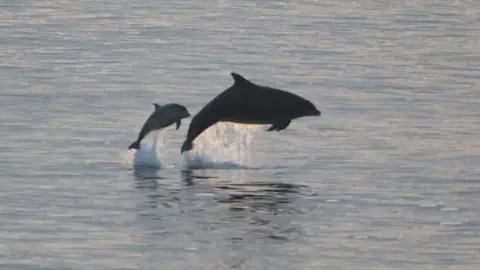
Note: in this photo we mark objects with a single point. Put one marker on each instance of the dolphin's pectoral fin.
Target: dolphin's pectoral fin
(179, 122)
(283, 125)
(280, 125)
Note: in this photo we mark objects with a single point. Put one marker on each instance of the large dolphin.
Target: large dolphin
(248, 103)
(161, 117)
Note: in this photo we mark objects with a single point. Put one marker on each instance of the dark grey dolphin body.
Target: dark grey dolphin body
(248, 103)
(161, 117)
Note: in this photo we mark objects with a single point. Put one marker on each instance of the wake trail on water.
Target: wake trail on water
(222, 146)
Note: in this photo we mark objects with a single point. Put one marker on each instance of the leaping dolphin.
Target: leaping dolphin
(161, 117)
(248, 103)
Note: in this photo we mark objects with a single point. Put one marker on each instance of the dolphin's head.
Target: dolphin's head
(176, 110)
(306, 108)
(313, 111)
(182, 111)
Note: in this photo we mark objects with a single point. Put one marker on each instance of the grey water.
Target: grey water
(387, 178)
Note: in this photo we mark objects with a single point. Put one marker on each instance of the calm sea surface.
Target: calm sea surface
(387, 178)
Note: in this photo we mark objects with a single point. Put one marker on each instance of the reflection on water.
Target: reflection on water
(188, 176)
(260, 196)
(146, 178)
(146, 173)
(234, 212)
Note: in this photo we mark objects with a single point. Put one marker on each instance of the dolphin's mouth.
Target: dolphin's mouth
(316, 113)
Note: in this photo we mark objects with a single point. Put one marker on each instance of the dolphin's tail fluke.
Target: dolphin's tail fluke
(135, 145)
(186, 146)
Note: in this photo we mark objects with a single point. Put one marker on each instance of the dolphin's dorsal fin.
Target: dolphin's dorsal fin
(156, 106)
(239, 79)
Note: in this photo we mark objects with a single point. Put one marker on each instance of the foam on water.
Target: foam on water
(151, 150)
(222, 146)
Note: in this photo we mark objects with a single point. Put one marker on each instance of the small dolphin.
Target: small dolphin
(161, 117)
(248, 103)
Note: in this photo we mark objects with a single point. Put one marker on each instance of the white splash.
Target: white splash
(149, 155)
(222, 146)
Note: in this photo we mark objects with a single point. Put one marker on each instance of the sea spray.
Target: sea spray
(222, 146)
(150, 154)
